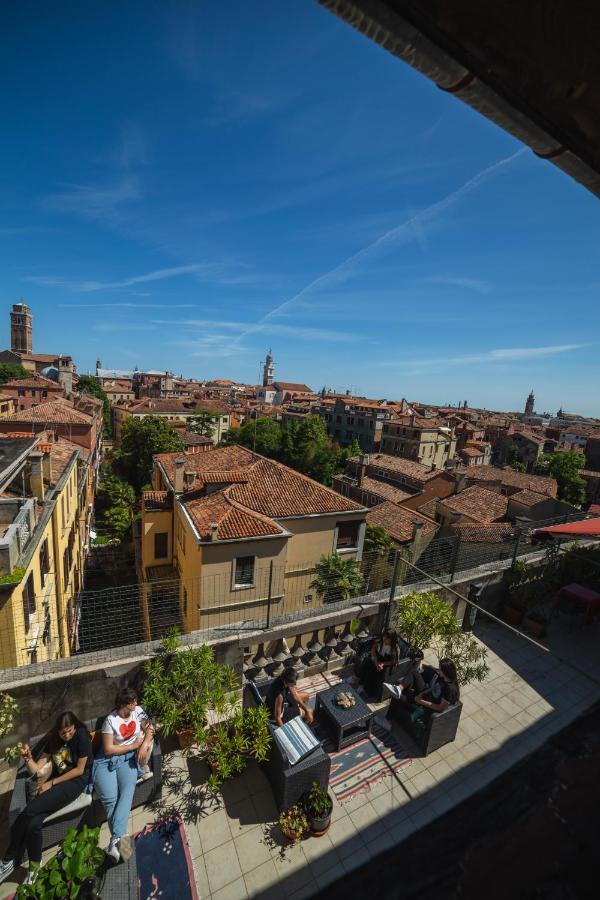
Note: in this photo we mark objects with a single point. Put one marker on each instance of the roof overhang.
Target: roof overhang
(532, 68)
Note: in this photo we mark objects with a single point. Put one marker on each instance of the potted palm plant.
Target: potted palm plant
(319, 806)
(182, 685)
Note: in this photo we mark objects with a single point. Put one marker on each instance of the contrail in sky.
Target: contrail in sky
(402, 232)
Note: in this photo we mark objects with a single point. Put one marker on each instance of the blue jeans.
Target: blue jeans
(115, 778)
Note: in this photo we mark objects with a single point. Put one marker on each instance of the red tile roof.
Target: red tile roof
(494, 533)
(510, 477)
(234, 521)
(399, 466)
(150, 406)
(54, 412)
(34, 381)
(478, 503)
(291, 386)
(384, 490)
(529, 498)
(256, 487)
(399, 522)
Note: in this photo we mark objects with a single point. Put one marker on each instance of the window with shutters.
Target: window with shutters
(347, 535)
(161, 545)
(243, 574)
(28, 602)
(44, 560)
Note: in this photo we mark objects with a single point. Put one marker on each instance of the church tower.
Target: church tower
(529, 406)
(268, 371)
(21, 329)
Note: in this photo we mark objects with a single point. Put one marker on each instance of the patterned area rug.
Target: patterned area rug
(164, 863)
(357, 767)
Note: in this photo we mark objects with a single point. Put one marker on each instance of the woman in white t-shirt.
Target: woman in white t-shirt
(126, 746)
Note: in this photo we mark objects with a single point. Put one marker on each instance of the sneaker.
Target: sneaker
(7, 867)
(32, 874)
(125, 847)
(395, 690)
(113, 850)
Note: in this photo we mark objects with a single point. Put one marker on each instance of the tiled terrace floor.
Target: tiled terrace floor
(528, 696)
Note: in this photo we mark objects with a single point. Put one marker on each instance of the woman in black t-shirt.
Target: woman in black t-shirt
(61, 773)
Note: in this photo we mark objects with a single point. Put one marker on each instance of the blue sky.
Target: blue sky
(188, 184)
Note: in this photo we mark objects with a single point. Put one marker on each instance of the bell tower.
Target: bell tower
(268, 370)
(530, 404)
(21, 329)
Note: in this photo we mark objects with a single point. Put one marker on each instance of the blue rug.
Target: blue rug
(164, 863)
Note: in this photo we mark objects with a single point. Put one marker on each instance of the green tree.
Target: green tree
(118, 492)
(426, 621)
(376, 547)
(261, 435)
(12, 372)
(565, 467)
(89, 384)
(337, 578)
(203, 423)
(141, 439)
(512, 459)
(117, 521)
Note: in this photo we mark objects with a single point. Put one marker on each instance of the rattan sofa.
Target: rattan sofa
(439, 728)
(87, 809)
(289, 783)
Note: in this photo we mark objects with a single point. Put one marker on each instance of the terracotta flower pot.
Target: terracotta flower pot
(512, 614)
(534, 626)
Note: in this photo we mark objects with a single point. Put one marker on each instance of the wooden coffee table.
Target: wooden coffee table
(345, 725)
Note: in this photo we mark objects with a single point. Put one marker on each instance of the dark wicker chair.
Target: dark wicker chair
(290, 783)
(393, 675)
(437, 730)
(91, 814)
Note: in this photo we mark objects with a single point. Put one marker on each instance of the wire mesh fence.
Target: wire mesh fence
(257, 595)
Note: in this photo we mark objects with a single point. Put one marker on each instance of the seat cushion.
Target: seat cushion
(80, 802)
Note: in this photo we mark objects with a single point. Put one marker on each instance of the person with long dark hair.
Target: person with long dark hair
(59, 775)
(384, 655)
(127, 737)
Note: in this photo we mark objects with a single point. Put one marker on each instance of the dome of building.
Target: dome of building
(50, 372)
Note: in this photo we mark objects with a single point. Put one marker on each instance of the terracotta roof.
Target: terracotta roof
(157, 500)
(234, 521)
(384, 490)
(508, 476)
(478, 503)
(189, 437)
(291, 386)
(271, 489)
(54, 412)
(494, 533)
(61, 454)
(471, 451)
(429, 508)
(34, 381)
(40, 357)
(398, 521)
(399, 465)
(529, 498)
(151, 406)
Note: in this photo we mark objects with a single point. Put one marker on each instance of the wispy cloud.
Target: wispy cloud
(309, 334)
(157, 275)
(124, 327)
(490, 357)
(473, 284)
(100, 306)
(96, 203)
(401, 234)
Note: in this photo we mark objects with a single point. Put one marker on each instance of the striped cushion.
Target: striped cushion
(296, 739)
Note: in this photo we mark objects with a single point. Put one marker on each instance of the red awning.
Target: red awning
(586, 527)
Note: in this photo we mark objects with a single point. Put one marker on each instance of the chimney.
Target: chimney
(362, 467)
(214, 532)
(416, 533)
(188, 480)
(36, 476)
(179, 464)
(47, 463)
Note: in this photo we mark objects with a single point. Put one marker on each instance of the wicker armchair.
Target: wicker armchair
(87, 809)
(290, 783)
(437, 729)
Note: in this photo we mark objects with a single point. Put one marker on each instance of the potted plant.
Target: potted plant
(8, 710)
(319, 806)
(245, 735)
(72, 872)
(182, 685)
(535, 622)
(293, 823)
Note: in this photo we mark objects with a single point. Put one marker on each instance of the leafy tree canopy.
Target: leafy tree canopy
(12, 371)
(203, 423)
(337, 578)
(141, 439)
(564, 467)
(261, 435)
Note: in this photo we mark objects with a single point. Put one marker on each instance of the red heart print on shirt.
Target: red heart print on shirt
(127, 730)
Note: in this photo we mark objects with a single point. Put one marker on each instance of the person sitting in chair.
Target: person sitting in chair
(58, 776)
(285, 701)
(434, 690)
(384, 655)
